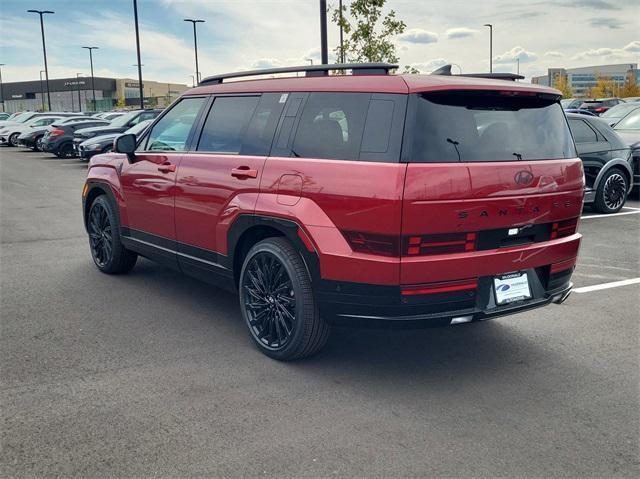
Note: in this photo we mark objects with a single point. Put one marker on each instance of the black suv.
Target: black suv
(606, 160)
(59, 138)
(118, 125)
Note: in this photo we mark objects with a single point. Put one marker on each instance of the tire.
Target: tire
(277, 302)
(612, 191)
(13, 139)
(107, 251)
(37, 144)
(66, 151)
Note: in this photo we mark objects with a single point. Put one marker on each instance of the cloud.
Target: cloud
(429, 66)
(515, 53)
(633, 47)
(553, 54)
(418, 35)
(612, 23)
(461, 32)
(597, 4)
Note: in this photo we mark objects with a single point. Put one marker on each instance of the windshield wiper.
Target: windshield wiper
(518, 156)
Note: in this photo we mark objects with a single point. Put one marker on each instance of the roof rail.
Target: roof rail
(446, 70)
(309, 70)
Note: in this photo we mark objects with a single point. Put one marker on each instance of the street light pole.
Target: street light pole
(195, 42)
(93, 86)
(135, 15)
(193, 81)
(44, 51)
(1, 92)
(78, 85)
(42, 89)
(324, 51)
(341, 39)
(490, 46)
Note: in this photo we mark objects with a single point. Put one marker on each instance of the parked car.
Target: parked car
(59, 139)
(370, 197)
(600, 105)
(607, 163)
(4, 116)
(9, 133)
(119, 125)
(629, 130)
(631, 98)
(33, 138)
(85, 149)
(27, 115)
(614, 114)
(580, 112)
(571, 103)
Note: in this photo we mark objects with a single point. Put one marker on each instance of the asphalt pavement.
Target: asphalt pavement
(154, 374)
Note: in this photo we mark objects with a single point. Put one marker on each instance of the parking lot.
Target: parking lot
(154, 373)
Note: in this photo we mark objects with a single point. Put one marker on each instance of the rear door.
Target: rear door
(479, 165)
(220, 178)
(593, 148)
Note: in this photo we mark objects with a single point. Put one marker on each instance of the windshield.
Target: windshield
(139, 128)
(467, 127)
(619, 110)
(630, 122)
(124, 119)
(22, 117)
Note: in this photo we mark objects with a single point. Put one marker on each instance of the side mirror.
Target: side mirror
(125, 144)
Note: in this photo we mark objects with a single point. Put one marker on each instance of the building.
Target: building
(582, 79)
(75, 94)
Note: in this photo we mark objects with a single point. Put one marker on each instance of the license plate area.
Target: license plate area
(511, 287)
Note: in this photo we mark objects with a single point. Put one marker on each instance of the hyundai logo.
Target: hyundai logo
(523, 177)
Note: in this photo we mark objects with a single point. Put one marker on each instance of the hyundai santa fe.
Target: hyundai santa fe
(365, 197)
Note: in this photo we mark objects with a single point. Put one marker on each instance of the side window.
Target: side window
(331, 126)
(227, 124)
(582, 133)
(172, 131)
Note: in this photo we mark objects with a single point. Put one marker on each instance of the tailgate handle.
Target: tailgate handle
(244, 172)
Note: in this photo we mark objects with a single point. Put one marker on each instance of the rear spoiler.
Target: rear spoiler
(446, 71)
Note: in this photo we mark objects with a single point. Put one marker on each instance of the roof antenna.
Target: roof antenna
(443, 70)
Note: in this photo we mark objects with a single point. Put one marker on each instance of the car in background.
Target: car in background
(631, 98)
(580, 112)
(629, 130)
(104, 143)
(59, 139)
(4, 116)
(33, 137)
(27, 115)
(600, 105)
(615, 114)
(9, 133)
(118, 125)
(606, 160)
(570, 103)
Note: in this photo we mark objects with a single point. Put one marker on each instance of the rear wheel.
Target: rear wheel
(108, 253)
(277, 302)
(37, 144)
(612, 191)
(13, 139)
(66, 151)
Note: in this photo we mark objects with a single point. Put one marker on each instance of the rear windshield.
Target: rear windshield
(468, 127)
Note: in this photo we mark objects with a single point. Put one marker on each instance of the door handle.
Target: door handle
(244, 172)
(167, 168)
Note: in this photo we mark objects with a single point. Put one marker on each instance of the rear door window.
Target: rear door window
(462, 127)
(582, 133)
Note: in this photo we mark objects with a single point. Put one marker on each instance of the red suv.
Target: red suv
(432, 199)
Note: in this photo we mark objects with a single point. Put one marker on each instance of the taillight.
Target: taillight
(416, 245)
(56, 132)
(435, 288)
(372, 243)
(600, 109)
(564, 228)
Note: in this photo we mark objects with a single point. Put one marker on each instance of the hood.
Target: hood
(101, 139)
(630, 137)
(99, 130)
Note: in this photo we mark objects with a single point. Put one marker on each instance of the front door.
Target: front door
(148, 182)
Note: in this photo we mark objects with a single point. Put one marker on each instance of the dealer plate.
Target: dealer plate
(511, 287)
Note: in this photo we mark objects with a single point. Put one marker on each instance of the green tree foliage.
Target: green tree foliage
(562, 84)
(367, 33)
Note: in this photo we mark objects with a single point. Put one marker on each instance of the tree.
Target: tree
(368, 35)
(604, 87)
(562, 84)
(630, 89)
(121, 103)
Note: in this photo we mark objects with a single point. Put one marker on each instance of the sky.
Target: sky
(248, 34)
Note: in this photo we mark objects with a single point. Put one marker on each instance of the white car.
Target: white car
(9, 133)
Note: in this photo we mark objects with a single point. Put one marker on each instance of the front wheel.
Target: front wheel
(66, 151)
(277, 302)
(108, 253)
(37, 145)
(13, 139)
(612, 191)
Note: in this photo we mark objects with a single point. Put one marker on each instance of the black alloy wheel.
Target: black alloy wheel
(612, 192)
(100, 235)
(66, 151)
(37, 146)
(277, 301)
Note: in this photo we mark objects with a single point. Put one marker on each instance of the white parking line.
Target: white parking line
(611, 215)
(614, 284)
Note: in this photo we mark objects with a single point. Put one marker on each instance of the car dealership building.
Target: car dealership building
(76, 94)
(582, 79)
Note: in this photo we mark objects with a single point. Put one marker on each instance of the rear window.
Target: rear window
(462, 127)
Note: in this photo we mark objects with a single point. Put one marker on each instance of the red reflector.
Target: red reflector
(434, 288)
(440, 243)
(307, 242)
(564, 228)
(372, 243)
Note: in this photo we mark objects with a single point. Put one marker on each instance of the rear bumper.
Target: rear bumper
(360, 303)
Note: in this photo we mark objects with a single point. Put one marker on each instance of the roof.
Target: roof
(369, 84)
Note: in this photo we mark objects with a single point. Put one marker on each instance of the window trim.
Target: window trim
(598, 135)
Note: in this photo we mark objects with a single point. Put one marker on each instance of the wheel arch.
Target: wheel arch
(619, 163)
(95, 189)
(248, 230)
